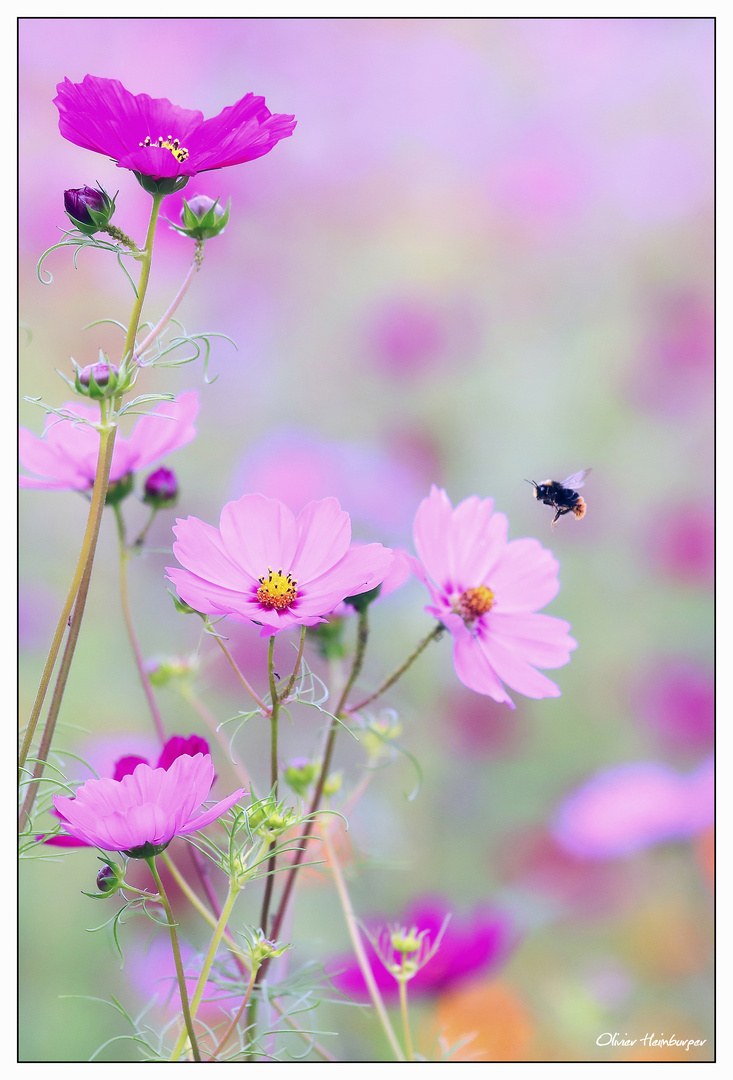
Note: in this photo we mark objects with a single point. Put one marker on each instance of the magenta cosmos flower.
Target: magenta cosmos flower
(263, 565)
(140, 814)
(469, 946)
(64, 458)
(486, 592)
(160, 141)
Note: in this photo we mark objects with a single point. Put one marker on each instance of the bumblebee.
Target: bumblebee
(562, 497)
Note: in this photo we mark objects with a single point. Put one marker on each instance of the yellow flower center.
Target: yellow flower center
(180, 153)
(473, 603)
(277, 590)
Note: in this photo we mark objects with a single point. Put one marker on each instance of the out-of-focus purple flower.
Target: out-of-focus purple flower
(409, 336)
(470, 946)
(378, 488)
(140, 814)
(631, 807)
(176, 746)
(64, 458)
(158, 140)
(265, 566)
(675, 372)
(681, 542)
(677, 698)
(486, 592)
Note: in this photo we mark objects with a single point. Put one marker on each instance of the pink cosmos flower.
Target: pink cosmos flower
(486, 591)
(140, 814)
(263, 565)
(64, 458)
(156, 139)
(631, 807)
(472, 945)
(175, 747)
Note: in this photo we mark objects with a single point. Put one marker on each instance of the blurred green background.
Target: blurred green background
(485, 255)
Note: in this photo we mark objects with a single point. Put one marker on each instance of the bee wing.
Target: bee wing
(576, 480)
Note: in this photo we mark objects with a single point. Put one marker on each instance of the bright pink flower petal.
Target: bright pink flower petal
(525, 577)
(472, 664)
(259, 534)
(201, 546)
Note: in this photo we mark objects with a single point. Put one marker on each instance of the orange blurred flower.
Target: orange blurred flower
(493, 1019)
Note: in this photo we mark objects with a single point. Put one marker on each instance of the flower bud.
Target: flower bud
(332, 784)
(161, 489)
(268, 818)
(100, 380)
(88, 209)
(406, 941)
(119, 490)
(202, 217)
(110, 879)
(262, 949)
(299, 775)
(162, 672)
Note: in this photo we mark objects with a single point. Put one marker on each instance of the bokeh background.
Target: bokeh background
(485, 255)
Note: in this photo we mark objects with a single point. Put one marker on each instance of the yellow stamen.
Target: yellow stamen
(180, 153)
(277, 590)
(475, 602)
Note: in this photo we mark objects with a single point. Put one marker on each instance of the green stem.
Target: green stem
(86, 555)
(235, 1020)
(274, 715)
(127, 615)
(358, 945)
(406, 1019)
(432, 636)
(187, 1015)
(208, 961)
(362, 638)
(250, 690)
(146, 259)
(285, 694)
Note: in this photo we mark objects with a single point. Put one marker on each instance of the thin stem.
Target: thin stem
(210, 720)
(361, 644)
(127, 615)
(187, 1016)
(146, 259)
(272, 861)
(361, 956)
(432, 636)
(235, 1020)
(208, 961)
(166, 318)
(250, 690)
(284, 694)
(86, 556)
(406, 1019)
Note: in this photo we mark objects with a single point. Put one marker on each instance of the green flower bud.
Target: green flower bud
(299, 775)
(406, 941)
(163, 672)
(332, 784)
(269, 819)
(262, 949)
(202, 217)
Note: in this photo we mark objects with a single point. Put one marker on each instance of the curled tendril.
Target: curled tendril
(74, 239)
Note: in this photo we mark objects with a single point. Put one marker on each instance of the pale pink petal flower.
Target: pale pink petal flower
(141, 813)
(265, 566)
(486, 591)
(65, 456)
(631, 807)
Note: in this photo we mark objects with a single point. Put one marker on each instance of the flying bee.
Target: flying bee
(562, 497)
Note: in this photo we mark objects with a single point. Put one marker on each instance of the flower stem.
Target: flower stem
(235, 1020)
(250, 690)
(146, 259)
(362, 638)
(274, 715)
(208, 961)
(406, 1020)
(285, 693)
(86, 555)
(358, 945)
(166, 318)
(210, 720)
(432, 636)
(127, 614)
(187, 1015)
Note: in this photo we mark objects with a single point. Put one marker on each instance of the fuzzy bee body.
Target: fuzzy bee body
(562, 497)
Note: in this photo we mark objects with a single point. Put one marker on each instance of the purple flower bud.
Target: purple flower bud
(161, 488)
(100, 372)
(201, 204)
(202, 217)
(89, 209)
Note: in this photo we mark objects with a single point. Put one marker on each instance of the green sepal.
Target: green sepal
(163, 185)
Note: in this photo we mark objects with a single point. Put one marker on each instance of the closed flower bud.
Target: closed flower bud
(100, 380)
(202, 217)
(299, 775)
(406, 941)
(110, 879)
(163, 672)
(262, 949)
(161, 489)
(332, 784)
(88, 209)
